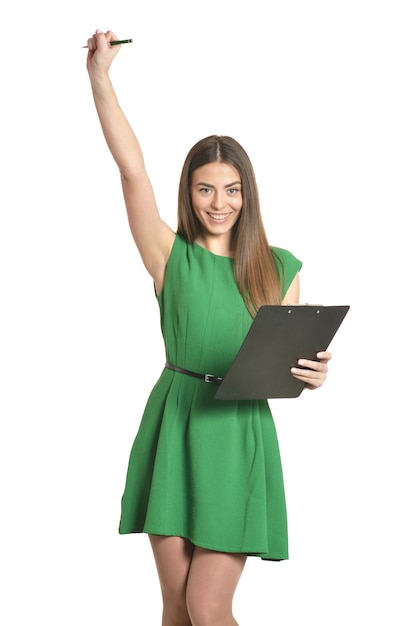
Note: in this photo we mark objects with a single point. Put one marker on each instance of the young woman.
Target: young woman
(204, 479)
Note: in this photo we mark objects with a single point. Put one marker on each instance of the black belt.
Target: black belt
(208, 378)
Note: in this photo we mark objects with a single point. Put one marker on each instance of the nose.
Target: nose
(217, 201)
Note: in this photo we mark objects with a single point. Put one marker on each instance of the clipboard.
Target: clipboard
(278, 337)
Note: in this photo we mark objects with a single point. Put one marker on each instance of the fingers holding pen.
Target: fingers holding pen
(100, 52)
(100, 40)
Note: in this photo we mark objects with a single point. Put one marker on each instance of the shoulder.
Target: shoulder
(285, 258)
(288, 266)
(180, 244)
(181, 249)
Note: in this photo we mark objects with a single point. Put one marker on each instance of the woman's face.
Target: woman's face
(216, 197)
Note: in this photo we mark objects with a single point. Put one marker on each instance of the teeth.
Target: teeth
(219, 218)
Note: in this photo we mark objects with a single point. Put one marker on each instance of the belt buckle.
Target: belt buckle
(209, 378)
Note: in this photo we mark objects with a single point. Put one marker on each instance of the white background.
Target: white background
(322, 94)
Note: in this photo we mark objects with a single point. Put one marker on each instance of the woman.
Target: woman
(204, 479)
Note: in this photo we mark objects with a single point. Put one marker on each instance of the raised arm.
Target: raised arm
(152, 235)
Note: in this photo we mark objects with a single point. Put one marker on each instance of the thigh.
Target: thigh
(172, 558)
(212, 582)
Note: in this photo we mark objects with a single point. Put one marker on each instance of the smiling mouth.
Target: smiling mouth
(219, 218)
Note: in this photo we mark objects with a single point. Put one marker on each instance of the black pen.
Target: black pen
(117, 43)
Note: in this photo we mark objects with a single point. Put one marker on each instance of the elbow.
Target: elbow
(131, 176)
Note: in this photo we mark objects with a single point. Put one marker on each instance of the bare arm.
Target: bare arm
(152, 235)
(293, 292)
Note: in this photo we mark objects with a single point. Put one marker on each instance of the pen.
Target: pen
(117, 43)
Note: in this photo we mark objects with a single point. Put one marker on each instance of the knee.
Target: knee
(175, 609)
(206, 611)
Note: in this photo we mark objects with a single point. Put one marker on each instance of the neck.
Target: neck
(220, 245)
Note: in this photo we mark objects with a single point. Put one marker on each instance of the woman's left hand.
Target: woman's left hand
(316, 371)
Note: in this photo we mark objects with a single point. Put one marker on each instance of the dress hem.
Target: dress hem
(262, 555)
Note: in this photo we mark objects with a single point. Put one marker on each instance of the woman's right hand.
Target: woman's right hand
(153, 237)
(100, 53)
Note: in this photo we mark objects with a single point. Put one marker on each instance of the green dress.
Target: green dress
(204, 469)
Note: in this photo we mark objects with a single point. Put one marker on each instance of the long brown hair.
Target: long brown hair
(254, 265)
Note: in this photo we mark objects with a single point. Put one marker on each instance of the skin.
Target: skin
(197, 585)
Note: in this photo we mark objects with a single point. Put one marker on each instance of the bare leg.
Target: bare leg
(173, 558)
(212, 581)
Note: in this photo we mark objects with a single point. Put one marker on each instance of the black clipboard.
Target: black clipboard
(278, 337)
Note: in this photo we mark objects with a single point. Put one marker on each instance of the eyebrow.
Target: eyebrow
(203, 184)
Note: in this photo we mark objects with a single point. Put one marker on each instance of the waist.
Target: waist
(207, 378)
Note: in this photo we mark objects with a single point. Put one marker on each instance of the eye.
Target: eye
(233, 191)
(204, 190)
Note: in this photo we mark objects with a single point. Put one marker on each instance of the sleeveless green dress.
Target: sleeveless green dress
(204, 469)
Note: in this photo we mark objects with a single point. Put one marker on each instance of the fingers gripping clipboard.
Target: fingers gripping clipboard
(278, 337)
